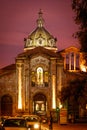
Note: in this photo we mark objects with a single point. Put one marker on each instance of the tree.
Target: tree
(75, 95)
(80, 9)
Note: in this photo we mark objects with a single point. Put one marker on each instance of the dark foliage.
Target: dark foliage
(80, 9)
(75, 92)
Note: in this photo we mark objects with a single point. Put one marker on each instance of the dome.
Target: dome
(40, 37)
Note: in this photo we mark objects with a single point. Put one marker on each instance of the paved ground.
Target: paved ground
(66, 127)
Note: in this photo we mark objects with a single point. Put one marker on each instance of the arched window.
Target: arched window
(6, 105)
(40, 75)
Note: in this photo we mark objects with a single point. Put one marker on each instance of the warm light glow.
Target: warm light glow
(60, 105)
(36, 126)
(19, 90)
(83, 68)
(86, 106)
(53, 92)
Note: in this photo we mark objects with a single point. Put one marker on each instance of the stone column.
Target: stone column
(69, 61)
(65, 62)
(53, 82)
(53, 92)
(19, 84)
(60, 77)
(27, 85)
(74, 61)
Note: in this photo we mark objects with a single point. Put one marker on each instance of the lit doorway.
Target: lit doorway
(39, 104)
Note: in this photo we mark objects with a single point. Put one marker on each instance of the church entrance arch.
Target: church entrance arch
(6, 105)
(40, 104)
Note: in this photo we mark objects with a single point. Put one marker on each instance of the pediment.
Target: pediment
(38, 51)
(71, 49)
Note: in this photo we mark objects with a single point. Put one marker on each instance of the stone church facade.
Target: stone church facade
(32, 84)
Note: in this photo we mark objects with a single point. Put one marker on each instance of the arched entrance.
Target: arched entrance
(40, 104)
(6, 105)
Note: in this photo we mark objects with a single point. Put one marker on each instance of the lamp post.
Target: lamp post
(57, 110)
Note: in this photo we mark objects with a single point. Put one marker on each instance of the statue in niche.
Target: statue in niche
(40, 75)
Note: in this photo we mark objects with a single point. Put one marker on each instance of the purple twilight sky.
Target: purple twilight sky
(18, 20)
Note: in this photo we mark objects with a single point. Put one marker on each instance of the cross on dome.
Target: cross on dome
(40, 20)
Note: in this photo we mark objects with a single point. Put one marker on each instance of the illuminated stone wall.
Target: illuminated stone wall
(8, 87)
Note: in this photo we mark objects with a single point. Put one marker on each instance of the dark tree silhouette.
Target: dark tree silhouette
(80, 9)
(75, 94)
